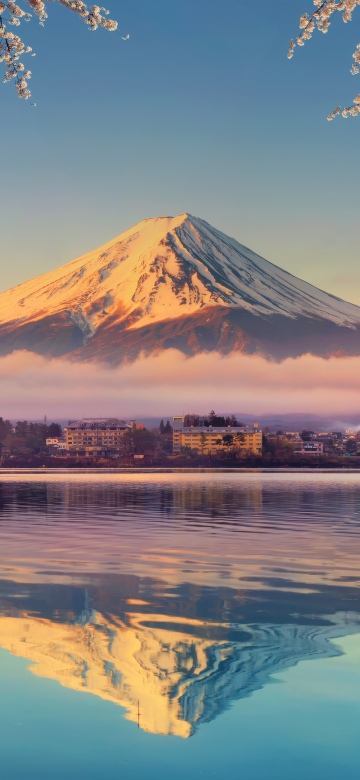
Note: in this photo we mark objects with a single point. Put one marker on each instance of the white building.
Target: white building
(96, 435)
(310, 448)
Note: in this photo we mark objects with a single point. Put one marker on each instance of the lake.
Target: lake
(197, 625)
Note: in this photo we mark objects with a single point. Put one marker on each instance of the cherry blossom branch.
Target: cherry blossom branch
(321, 19)
(11, 46)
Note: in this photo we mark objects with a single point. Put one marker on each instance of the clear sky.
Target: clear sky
(199, 111)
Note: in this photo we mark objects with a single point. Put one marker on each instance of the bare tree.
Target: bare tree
(12, 47)
(321, 19)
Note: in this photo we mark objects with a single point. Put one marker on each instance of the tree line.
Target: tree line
(26, 437)
(213, 419)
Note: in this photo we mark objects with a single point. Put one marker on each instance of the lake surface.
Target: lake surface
(180, 625)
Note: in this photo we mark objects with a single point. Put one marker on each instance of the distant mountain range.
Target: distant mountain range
(174, 282)
(276, 421)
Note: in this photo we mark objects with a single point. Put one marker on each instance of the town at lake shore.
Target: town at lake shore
(191, 440)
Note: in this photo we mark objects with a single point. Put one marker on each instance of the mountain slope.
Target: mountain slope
(174, 282)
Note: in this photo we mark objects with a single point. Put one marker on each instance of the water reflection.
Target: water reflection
(172, 659)
(173, 599)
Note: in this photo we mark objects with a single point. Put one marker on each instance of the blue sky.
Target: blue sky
(199, 111)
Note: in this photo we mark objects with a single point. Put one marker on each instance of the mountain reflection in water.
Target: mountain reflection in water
(174, 596)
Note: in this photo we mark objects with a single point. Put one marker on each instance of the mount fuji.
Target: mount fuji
(174, 282)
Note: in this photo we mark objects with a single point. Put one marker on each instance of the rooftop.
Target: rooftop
(98, 423)
(221, 429)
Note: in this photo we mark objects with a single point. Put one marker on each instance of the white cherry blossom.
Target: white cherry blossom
(321, 19)
(12, 48)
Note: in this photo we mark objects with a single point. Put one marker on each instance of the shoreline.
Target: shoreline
(165, 470)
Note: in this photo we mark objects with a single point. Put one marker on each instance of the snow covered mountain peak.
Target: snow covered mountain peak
(108, 279)
(161, 270)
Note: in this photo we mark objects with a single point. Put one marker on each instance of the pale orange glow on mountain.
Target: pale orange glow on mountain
(174, 283)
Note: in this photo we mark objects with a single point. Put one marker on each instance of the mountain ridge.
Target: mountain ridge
(174, 282)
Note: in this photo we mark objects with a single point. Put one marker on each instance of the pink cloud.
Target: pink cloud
(31, 386)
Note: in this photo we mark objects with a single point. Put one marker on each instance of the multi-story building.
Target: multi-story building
(293, 436)
(208, 440)
(310, 448)
(56, 443)
(96, 435)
